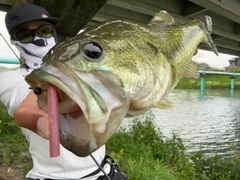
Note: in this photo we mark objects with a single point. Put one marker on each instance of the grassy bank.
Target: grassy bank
(141, 151)
(211, 82)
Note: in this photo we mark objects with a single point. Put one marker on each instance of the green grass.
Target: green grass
(141, 151)
(13, 145)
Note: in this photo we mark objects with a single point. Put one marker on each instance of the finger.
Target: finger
(43, 127)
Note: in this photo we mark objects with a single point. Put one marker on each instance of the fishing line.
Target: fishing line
(100, 167)
(14, 53)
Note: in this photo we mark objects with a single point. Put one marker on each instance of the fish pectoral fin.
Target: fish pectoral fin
(164, 104)
(191, 72)
(162, 18)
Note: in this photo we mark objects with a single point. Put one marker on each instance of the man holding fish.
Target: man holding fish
(110, 71)
(32, 32)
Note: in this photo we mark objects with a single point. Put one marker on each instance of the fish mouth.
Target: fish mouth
(88, 112)
(74, 128)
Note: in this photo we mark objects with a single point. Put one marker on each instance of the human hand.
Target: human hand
(30, 116)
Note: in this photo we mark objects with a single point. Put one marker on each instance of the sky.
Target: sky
(5, 51)
(208, 57)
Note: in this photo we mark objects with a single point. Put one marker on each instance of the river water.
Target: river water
(207, 122)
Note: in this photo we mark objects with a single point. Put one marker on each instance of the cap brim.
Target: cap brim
(52, 20)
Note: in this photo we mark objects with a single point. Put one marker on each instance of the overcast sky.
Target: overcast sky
(203, 56)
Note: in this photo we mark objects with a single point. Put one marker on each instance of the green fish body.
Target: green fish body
(116, 69)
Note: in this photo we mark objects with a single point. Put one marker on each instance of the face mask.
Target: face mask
(34, 52)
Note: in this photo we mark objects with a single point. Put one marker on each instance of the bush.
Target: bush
(143, 147)
(143, 153)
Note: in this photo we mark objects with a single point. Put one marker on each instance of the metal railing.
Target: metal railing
(232, 76)
(9, 60)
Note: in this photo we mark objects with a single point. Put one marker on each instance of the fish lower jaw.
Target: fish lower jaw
(78, 145)
(100, 127)
(78, 135)
(74, 144)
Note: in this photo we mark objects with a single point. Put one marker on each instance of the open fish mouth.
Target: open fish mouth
(74, 128)
(88, 112)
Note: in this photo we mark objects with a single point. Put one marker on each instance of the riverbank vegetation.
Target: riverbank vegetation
(141, 151)
(144, 153)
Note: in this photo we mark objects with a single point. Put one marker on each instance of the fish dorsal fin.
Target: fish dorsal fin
(162, 18)
(191, 72)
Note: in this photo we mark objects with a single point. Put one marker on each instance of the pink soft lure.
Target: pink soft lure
(54, 138)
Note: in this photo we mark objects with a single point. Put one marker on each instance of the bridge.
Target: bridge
(81, 14)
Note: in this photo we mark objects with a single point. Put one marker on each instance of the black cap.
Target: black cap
(27, 12)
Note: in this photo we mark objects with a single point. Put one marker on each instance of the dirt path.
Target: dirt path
(11, 173)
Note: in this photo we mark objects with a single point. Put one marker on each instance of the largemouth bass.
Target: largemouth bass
(116, 69)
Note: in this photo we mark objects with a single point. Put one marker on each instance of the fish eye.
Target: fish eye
(93, 51)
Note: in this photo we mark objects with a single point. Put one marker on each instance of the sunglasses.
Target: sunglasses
(27, 35)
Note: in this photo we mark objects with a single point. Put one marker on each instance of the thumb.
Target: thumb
(43, 127)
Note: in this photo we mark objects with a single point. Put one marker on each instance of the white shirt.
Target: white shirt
(66, 166)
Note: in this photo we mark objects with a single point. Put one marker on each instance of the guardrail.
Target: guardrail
(232, 76)
(9, 60)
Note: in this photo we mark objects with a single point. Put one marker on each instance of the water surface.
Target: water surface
(206, 122)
